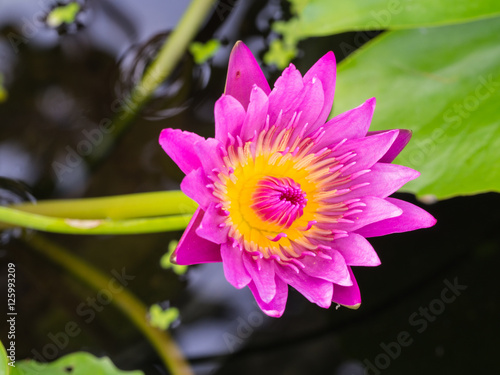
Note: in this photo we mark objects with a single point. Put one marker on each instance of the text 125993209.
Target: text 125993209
(11, 314)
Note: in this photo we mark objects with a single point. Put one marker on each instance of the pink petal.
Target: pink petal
(193, 249)
(324, 70)
(356, 250)
(243, 72)
(193, 185)
(348, 295)
(398, 145)
(382, 180)
(234, 270)
(276, 306)
(368, 150)
(375, 209)
(309, 103)
(352, 124)
(211, 147)
(315, 290)
(189, 150)
(334, 270)
(179, 146)
(412, 218)
(210, 227)
(262, 273)
(229, 117)
(256, 115)
(284, 95)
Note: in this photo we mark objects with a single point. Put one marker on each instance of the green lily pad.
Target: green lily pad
(202, 52)
(443, 84)
(162, 319)
(166, 262)
(280, 53)
(80, 363)
(63, 14)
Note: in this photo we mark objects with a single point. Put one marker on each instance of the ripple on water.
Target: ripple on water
(12, 192)
(174, 94)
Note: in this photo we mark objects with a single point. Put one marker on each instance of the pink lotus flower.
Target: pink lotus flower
(286, 198)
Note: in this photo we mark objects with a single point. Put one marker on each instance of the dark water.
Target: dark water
(431, 307)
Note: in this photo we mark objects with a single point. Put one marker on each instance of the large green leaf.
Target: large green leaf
(80, 363)
(325, 17)
(442, 83)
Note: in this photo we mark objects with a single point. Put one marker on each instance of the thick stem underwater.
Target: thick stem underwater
(129, 304)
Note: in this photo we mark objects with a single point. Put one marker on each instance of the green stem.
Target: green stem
(14, 217)
(163, 65)
(116, 207)
(124, 300)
